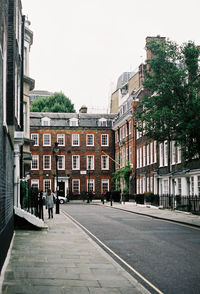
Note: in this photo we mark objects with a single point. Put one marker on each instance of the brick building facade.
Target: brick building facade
(85, 154)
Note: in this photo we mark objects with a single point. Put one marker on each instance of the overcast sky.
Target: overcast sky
(81, 47)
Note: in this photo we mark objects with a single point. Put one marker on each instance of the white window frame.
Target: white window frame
(198, 185)
(192, 185)
(161, 154)
(148, 154)
(151, 184)
(61, 137)
(90, 163)
(45, 121)
(165, 153)
(141, 185)
(144, 155)
(77, 181)
(173, 152)
(48, 187)
(35, 140)
(75, 138)
(89, 182)
(102, 122)
(179, 188)
(155, 151)
(138, 158)
(105, 181)
(106, 141)
(130, 156)
(178, 154)
(165, 187)
(35, 182)
(148, 184)
(106, 166)
(36, 159)
(87, 140)
(73, 122)
(130, 127)
(61, 159)
(77, 167)
(151, 152)
(44, 162)
(144, 184)
(49, 135)
(138, 186)
(116, 136)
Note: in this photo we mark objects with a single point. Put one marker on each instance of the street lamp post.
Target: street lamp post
(55, 151)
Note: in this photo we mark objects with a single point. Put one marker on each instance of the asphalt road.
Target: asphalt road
(166, 254)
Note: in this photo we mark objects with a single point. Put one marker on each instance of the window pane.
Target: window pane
(76, 186)
(90, 185)
(105, 185)
(104, 162)
(34, 164)
(46, 140)
(75, 162)
(61, 139)
(90, 140)
(35, 138)
(90, 162)
(35, 184)
(46, 162)
(61, 162)
(104, 140)
(47, 185)
(75, 139)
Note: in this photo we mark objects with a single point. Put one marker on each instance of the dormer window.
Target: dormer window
(73, 122)
(102, 122)
(45, 121)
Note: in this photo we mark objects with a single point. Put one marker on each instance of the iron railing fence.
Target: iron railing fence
(183, 203)
(31, 200)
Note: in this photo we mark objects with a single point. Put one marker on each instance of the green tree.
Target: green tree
(58, 102)
(170, 109)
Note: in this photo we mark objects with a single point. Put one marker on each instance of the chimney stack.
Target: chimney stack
(83, 109)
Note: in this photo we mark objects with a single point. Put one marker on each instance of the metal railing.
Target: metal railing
(182, 203)
(31, 200)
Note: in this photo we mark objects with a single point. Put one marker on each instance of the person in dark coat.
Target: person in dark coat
(41, 214)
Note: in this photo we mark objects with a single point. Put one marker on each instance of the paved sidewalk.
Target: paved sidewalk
(166, 214)
(63, 259)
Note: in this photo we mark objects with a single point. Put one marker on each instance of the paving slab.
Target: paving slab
(63, 259)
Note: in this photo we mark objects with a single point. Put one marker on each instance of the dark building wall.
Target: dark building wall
(6, 144)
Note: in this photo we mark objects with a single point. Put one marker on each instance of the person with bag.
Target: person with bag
(49, 203)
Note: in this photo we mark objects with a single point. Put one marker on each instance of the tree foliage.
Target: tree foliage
(170, 109)
(58, 102)
(123, 173)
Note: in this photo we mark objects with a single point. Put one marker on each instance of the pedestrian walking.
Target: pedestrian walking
(49, 203)
(40, 201)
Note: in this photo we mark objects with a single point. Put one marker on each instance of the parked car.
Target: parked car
(62, 199)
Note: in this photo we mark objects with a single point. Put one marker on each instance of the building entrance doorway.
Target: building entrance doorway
(61, 190)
